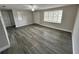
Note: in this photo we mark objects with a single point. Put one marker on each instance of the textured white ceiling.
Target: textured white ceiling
(25, 6)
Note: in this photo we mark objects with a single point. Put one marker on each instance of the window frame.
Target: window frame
(53, 11)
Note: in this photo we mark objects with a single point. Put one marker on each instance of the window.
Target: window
(53, 16)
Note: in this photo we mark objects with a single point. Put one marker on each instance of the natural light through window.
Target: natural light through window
(53, 16)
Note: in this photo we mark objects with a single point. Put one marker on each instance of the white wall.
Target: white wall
(69, 14)
(25, 18)
(8, 17)
(75, 35)
(4, 40)
(11, 17)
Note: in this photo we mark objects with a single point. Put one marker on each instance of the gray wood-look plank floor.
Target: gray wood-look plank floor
(36, 39)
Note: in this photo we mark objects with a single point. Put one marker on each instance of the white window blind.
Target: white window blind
(53, 16)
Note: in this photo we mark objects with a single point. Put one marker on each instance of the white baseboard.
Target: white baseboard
(67, 30)
(23, 25)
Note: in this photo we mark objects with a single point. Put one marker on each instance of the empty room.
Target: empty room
(39, 28)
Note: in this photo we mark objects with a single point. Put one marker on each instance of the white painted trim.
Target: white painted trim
(23, 25)
(57, 28)
(7, 46)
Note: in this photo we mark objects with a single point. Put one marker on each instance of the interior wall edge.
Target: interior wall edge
(6, 34)
(56, 28)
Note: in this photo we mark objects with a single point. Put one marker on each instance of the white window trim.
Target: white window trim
(52, 19)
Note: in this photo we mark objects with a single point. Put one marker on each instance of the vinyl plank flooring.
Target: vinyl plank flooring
(36, 39)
